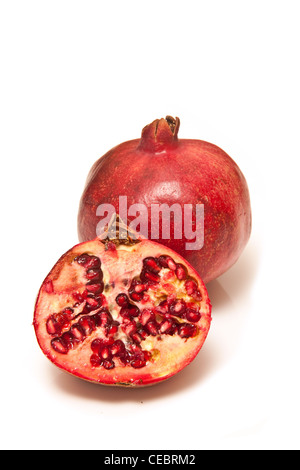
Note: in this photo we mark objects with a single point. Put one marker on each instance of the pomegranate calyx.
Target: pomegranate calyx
(159, 134)
(118, 233)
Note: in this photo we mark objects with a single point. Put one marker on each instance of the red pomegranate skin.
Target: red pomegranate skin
(159, 168)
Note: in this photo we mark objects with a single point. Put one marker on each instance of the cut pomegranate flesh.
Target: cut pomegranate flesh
(119, 314)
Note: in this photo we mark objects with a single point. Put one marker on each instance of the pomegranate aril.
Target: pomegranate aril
(167, 262)
(108, 364)
(129, 311)
(78, 297)
(103, 318)
(93, 262)
(117, 347)
(59, 346)
(113, 328)
(138, 288)
(187, 330)
(148, 276)
(52, 326)
(135, 296)
(146, 315)
(77, 332)
(92, 302)
(88, 325)
(151, 264)
(96, 345)
(68, 312)
(122, 300)
(152, 328)
(137, 337)
(95, 288)
(178, 308)
(138, 363)
(93, 274)
(95, 360)
(143, 333)
(191, 287)
(68, 339)
(124, 357)
(83, 259)
(105, 353)
(181, 272)
(129, 328)
(163, 307)
(197, 295)
(167, 327)
(192, 315)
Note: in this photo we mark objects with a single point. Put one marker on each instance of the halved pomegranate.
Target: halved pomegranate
(122, 312)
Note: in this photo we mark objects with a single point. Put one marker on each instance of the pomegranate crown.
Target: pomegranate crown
(160, 134)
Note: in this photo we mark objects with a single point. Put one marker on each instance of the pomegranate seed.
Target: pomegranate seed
(92, 302)
(135, 296)
(93, 262)
(93, 274)
(197, 295)
(163, 307)
(192, 315)
(180, 272)
(68, 339)
(143, 333)
(152, 328)
(190, 287)
(167, 327)
(130, 311)
(59, 346)
(87, 324)
(105, 318)
(122, 300)
(113, 328)
(95, 360)
(178, 308)
(146, 315)
(167, 262)
(83, 259)
(95, 288)
(117, 347)
(137, 337)
(138, 363)
(77, 296)
(124, 357)
(105, 353)
(68, 312)
(148, 276)
(140, 288)
(107, 364)
(77, 332)
(129, 328)
(96, 345)
(187, 330)
(52, 326)
(151, 264)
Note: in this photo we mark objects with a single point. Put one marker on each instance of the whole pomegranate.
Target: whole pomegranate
(125, 312)
(172, 179)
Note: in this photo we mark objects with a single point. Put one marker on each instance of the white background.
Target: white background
(79, 77)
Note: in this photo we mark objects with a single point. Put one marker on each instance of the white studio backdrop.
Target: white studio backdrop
(77, 78)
